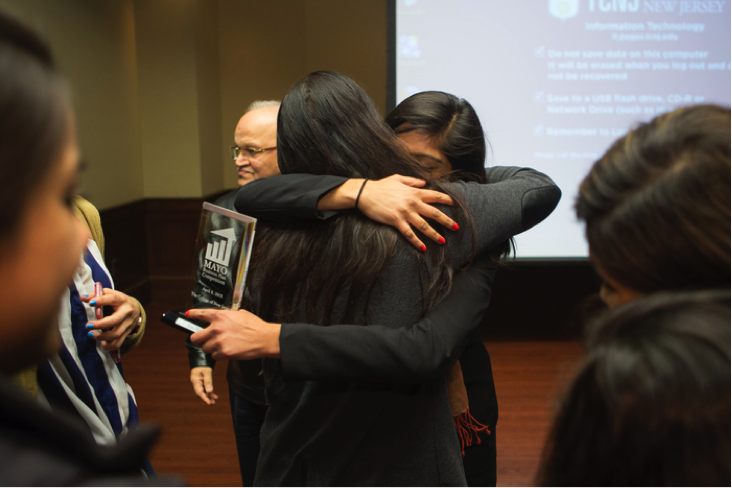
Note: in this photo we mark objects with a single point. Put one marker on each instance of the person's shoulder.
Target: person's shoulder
(227, 200)
(85, 207)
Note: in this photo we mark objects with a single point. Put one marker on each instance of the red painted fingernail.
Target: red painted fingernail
(455, 227)
(187, 312)
(442, 240)
(423, 248)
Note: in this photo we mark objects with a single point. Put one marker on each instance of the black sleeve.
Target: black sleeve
(540, 197)
(381, 354)
(196, 357)
(514, 200)
(285, 198)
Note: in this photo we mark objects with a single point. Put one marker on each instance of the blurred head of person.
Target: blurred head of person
(255, 139)
(443, 133)
(651, 403)
(41, 240)
(657, 206)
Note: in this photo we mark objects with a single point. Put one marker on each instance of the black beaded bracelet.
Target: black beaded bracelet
(358, 197)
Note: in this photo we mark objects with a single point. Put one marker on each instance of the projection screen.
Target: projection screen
(555, 82)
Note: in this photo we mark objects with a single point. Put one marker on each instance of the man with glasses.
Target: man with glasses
(255, 152)
(255, 156)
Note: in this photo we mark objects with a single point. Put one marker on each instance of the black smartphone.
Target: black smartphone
(178, 320)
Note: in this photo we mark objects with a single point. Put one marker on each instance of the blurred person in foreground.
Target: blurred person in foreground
(657, 210)
(657, 206)
(41, 241)
(651, 404)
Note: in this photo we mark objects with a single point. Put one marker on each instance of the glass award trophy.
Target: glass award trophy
(222, 253)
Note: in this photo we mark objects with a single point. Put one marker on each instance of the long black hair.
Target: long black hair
(328, 125)
(651, 404)
(34, 117)
(455, 128)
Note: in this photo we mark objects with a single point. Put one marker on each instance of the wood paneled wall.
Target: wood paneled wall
(150, 246)
(126, 245)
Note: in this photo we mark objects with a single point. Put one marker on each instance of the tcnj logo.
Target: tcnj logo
(220, 251)
(563, 9)
(658, 6)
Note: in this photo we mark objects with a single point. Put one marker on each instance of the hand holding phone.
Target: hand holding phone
(178, 320)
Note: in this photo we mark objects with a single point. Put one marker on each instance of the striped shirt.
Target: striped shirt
(83, 379)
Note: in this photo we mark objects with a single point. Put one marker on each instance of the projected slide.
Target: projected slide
(555, 82)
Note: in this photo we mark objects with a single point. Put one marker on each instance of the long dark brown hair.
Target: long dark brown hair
(34, 117)
(651, 404)
(327, 125)
(657, 204)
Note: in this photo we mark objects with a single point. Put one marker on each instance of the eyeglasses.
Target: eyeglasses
(250, 152)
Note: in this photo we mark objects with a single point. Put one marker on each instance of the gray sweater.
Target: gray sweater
(352, 433)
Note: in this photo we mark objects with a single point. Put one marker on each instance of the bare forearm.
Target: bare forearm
(341, 197)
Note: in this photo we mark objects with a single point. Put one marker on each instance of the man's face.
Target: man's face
(257, 129)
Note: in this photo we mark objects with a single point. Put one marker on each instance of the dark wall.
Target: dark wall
(125, 236)
(540, 300)
(150, 247)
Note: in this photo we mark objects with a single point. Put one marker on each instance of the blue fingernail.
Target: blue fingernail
(91, 335)
(93, 302)
(86, 296)
(89, 326)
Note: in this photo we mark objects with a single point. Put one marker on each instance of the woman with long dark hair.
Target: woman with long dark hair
(349, 269)
(444, 133)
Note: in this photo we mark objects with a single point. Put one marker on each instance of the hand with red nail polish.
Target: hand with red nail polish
(398, 201)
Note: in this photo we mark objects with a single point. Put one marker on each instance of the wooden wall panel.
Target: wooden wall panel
(150, 246)
(172, 224)
(126, 245)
